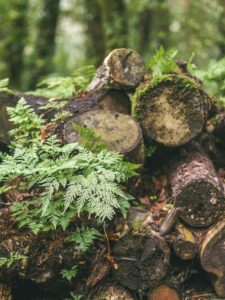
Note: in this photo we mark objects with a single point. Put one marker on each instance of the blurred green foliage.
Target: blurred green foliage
(214, 79)
(54, 37)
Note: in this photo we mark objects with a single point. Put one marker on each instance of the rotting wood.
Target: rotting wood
(122, 68)
(172, 109)
(197, 189)
(137, 256)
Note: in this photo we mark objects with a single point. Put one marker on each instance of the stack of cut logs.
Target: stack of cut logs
(156, 250)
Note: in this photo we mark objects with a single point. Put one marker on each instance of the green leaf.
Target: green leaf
(163, 62)
(69, 274)
(4, 83)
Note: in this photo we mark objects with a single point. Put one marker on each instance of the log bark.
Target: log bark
(142, 261)
(102, 99)
(212, 256)
(120, 132)
(122, 69)
(164, 292)
(197, 190)
(171, 110)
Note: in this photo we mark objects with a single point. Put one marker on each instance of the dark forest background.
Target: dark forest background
(40, 38)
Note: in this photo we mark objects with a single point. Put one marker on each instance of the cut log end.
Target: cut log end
(171, 111)
(123, 68)
(164, 292)
(113, 292)
(203, 203)
(137, 257)
(120, 132)
(197, 190)
(213, 258)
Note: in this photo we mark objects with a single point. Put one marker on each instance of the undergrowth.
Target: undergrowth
(65, 87)
(61, 182)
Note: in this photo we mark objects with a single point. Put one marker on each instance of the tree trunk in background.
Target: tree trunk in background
(45, 42)
(113, 14)
(144, 30)
(94, 44)
(16, 41)
(161, 23)
(221, 25)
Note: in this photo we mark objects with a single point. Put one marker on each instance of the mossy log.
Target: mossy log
(171, 109)
(164, 292)
(5, 292)
(142, 261)
(197, 190)
(213, 258)
(120, 132)
(122, 69)
(102, 99)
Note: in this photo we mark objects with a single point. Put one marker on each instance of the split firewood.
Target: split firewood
(164, 292)
(122, 68)
(171, 110)
(197, 189)
(5, 292)
(120, 132)
(142, 261)
(213, 258)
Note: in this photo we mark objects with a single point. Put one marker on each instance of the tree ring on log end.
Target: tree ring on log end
(120, 132)
(203, 203)
(164, 292)
(185, 250)
(171, 110)
(213, 258)
(142, 261)
(123, 68)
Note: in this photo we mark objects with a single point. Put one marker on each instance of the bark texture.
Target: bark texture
(197, 190)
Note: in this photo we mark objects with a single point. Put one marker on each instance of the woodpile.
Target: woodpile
(171, 247)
